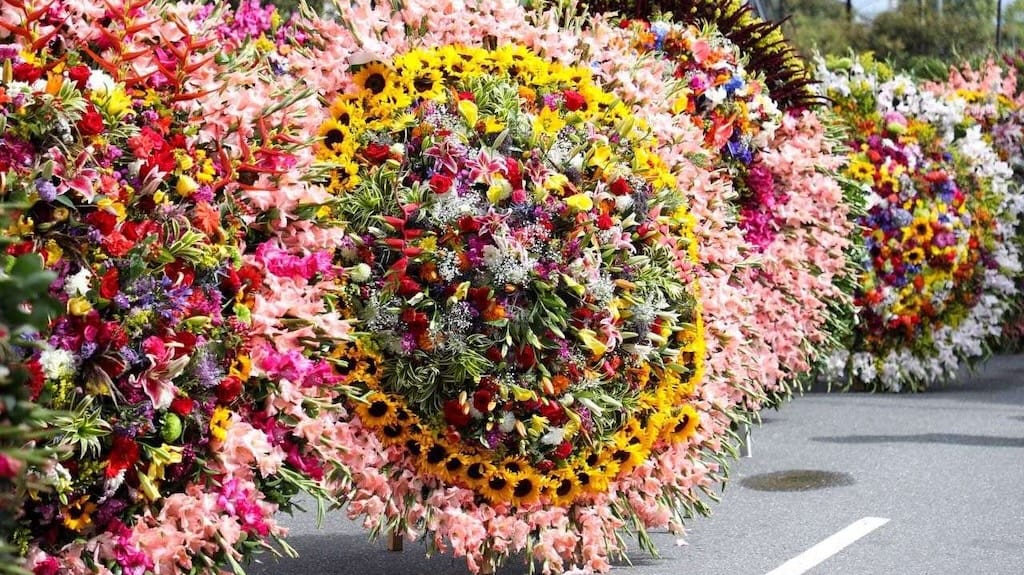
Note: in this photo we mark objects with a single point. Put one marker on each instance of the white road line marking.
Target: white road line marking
(829, 547)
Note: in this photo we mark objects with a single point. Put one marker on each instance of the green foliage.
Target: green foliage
(915, 36)
(25, 309)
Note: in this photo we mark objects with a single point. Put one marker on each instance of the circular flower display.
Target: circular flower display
(520, 269)
(938, 271)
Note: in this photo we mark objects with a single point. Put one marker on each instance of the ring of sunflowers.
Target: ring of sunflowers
(527, 325)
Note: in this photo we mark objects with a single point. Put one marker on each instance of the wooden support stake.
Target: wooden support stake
(395, 541)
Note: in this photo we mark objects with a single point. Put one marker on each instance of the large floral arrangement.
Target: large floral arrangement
(992, 102)
(529, 332)
(163, 204)
(938, 276)
(780, 167)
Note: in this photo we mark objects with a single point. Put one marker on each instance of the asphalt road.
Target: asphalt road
(946, 468)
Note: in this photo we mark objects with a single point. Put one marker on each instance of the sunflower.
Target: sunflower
(78, 515)
(374, 79)
(861, 170)
(347, 112)
(498, 485)
(920, 229)
(565, 486)
(455, 468)
(459, 61)
(435, 458)
(683, 425)
(914, 257)
(477, 471)
(627, 454)
(426, 83)
(377, 411)
(527, 487)
(338, 139)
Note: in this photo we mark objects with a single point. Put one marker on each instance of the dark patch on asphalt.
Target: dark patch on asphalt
(1017, 417)
(797, 480)
(946, 438)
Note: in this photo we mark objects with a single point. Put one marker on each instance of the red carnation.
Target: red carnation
(620, 187)
(454, 414)
(377, 153)
(25, 72)
(182, 405)
(574, 100)
(408, 287)
(604, 221)
(110, 284)
(91, 122)
(123, 455)
(117, 245)
(229, 389)
(440, 183)
(79, 75)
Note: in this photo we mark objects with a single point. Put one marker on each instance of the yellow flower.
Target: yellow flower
(373, 78)
(160, 458)
(548, 123)
(499, 190)
(78, 515)
(580, 202)
(469, 111)
(219, 423)
(589, 339)
(79, 306)
(186, 186)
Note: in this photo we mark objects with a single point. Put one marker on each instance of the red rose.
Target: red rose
(103, 221)
(454, 414)
(182, 405)
(231, 283)
(229, 389)
(91, 122)
(526, 357)
(110, 284)
(25, 72)
(468, 224)
(377, 153)
(563, 450)
(574, 100)
(482, 400)
(604, 221)
(620, 187)
(79, 75)
(553, 412)
(440, 183)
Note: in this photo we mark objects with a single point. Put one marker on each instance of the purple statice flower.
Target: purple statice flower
(120, 301)
(408, 343)
(87, 350)
(551, 101)
(206, 370)
(15, 152)
(47, 191)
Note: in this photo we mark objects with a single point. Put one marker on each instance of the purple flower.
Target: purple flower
(47, 191)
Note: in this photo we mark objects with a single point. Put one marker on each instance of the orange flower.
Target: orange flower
(560, 383)
(494, 311)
